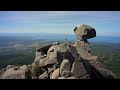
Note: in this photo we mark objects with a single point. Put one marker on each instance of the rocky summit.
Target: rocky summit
(63, 61)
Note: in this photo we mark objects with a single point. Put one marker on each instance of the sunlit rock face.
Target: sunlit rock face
(84, 31)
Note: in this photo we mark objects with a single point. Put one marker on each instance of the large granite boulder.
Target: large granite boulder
(107, 73)
(64, 53)
(84, 31)
(52, 54)
(78, 68)
(83, 48)
(41, 52)
(65, 65)
(16, 73)
(57, 53)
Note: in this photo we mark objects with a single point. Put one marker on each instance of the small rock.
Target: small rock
(34, 77)
(10, 66)
(55, 74)
(44, 75)
(23, 67)
(70, 77)
(39, 55)
(43, 49)
(85, 77)
(66, 74)
(56, 43)
(51, 68)
(61, 78)
(43, 62)
(16, 67)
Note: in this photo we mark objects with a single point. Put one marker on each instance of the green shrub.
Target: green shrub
(37, 71)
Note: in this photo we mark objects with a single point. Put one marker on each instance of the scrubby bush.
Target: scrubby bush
(37, 71)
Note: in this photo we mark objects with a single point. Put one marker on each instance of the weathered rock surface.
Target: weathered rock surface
(85, 77)
(10, 66)
(107, 73)
(84, 32)
(65, 65)
(83, 48)
(41, 52)
(66, 74)
(71, 77)
(78, 68)
(2, 70)
(24, 67)
(13, 73)
(56, 74)
(44, 75)
(42, 62)
(61, 78)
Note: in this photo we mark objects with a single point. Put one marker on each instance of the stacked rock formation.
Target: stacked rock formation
(72, 61)
(64, 61)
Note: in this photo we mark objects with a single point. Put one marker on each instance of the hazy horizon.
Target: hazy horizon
(35, 33)
(106, 23)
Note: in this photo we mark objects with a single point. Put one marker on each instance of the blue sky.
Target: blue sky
(105, 22)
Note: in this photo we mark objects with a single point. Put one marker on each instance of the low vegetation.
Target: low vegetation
(109, 54)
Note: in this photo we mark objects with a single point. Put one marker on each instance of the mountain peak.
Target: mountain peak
(63, 61)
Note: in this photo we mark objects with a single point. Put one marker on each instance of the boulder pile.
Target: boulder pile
(64, 61)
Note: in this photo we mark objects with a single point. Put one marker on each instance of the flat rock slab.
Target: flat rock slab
(12, 73)
(78, 69)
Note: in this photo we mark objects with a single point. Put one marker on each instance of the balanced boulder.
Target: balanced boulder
(84, 31)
